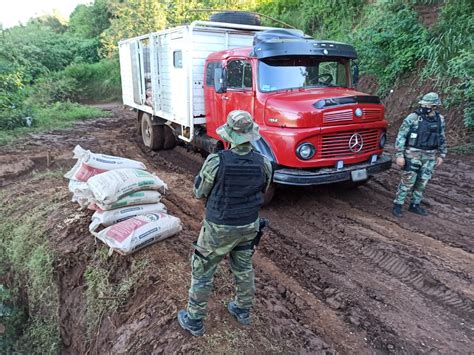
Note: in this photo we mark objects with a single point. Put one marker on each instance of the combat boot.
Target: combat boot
(416, 208)
(397, 210)
(242, 315)
(194, 326)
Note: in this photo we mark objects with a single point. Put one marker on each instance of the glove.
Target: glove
(439, 161)
(400, 161)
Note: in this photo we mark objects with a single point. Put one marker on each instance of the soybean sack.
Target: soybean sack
(112, 185)
(107, 218)
(138, 232)
(90, 164)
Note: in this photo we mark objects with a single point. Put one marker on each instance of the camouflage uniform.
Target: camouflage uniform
(419, 164)
(216, 241)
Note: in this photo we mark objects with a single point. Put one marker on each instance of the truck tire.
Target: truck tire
(138, 124)
(241, 18)
(152, 135)
(170, 140)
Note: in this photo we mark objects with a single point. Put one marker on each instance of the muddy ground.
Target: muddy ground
(335, 273)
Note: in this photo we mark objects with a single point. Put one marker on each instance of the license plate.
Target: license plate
(359, 175)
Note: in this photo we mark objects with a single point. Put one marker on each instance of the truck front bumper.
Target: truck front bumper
(320, 176)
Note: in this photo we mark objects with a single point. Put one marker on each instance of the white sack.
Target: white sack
(112, 185)
(90, 164)
(135, 198)
(107, 218)
(137, 232)
(80, 192)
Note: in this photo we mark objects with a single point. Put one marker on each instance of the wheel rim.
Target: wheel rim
(147, 134)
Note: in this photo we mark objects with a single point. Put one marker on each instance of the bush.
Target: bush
(323, 19)
(53, 88)
(449, 56)
(97, 81)
(11, 119)
(79, 82)
(391, 42)
(12, 93)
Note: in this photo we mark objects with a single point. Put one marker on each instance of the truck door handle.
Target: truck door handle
(225, 97)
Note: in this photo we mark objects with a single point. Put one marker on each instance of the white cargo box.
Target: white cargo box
(163, 72)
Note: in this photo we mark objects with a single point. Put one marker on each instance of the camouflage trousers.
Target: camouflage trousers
(213, 244)
(419, 167)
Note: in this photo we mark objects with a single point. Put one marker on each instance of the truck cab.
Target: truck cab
(315, 127)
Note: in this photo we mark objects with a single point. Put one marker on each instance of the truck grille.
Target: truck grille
(336, 145)
(337, 116)
(372, 113)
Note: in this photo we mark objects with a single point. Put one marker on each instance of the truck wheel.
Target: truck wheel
(170, 140)
(268, 195)
(152, 136)
(242, 18)
(138, 124)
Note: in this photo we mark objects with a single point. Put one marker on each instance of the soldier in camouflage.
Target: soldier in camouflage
(420, 147)
(233, 181)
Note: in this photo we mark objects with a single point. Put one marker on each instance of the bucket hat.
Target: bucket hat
(240, 128)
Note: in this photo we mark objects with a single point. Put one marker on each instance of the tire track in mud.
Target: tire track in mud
(424, 283)
(316, 270)
(355, 289)
(330, 229)
(450, 224)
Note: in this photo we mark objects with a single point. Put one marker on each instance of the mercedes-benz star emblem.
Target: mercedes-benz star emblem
(356, 143)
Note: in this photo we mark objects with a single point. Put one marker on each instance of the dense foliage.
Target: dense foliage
(47, 61)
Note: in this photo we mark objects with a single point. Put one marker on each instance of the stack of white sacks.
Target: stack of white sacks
(126, 199)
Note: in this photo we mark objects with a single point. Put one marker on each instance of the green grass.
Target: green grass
(104, 296)
(32, 325)
(57, 116)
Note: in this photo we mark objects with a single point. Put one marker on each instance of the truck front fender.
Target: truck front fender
(262, 147)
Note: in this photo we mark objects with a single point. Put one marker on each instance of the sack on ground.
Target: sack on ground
(90, 164)
(107, 218)
(137, 232)
(80, 192)
(112, 185)
(135, 198)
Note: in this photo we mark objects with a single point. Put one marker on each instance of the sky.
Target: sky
(13, 12)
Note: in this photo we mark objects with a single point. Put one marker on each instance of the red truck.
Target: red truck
(316, 127)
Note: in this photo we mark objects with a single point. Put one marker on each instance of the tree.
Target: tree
(89, 21)
(132, 18)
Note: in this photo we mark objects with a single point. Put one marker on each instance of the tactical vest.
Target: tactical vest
(426, 136)
(237, 194)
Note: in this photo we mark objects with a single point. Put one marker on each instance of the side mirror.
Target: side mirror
(355, 74)
(219, 80)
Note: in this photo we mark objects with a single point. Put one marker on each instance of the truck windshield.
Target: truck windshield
(281, 73)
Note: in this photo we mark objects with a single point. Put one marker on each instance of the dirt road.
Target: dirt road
(335, 273)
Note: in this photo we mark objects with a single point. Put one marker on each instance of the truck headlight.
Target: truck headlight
(305, 151)
(383, 139)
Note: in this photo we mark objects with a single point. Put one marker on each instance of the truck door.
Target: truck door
(240, 94)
